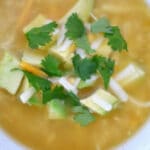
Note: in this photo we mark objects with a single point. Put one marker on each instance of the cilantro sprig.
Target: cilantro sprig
(77, 32)
(105, 67)
(81, 114)
(101, 25)
(116, 40)
(60, 93)
(84, 44)
(37, 82)
(75, 27)
(112, 33)
(51, 66)
(40, 36)
(86, 67)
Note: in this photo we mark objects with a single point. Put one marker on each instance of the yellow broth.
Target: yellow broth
(30, 125)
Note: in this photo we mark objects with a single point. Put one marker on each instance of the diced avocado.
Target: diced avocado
(64, 52)
(37, 22)
(108, 97)
(34, 57)
(83, 8)
(10, 79)
(64, 56)
(57, 109)
(101, 102)
(94, 107)
(130, 74)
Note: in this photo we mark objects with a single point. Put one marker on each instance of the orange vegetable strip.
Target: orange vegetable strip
(32, 69)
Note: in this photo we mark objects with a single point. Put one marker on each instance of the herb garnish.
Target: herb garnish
(82, 115)
(37, 82)
(105, 67)
(40, 36)
(116, 40)
(84, 68)
(84, 44)
(77, 32)
(101, 25)
(51, 66)
(75, 27)
(112, 33)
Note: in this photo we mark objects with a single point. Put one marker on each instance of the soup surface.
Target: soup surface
(30, 125)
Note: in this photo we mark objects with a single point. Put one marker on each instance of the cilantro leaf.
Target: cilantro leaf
(60, 93)
(116, 40)
(77, 32)
(73, 99)
(37, 82)
(75, 27)
(101, 25)
(57, 93)
(50, 65)
(40, 36)
(83, 43)
(46, 95)
(84, 118)
(106, 67)
(82, 115)
(84, 67)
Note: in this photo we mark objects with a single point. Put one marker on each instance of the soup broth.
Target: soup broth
(30, 125)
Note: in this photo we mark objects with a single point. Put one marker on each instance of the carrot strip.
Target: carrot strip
(32, 69)
(25, 13)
